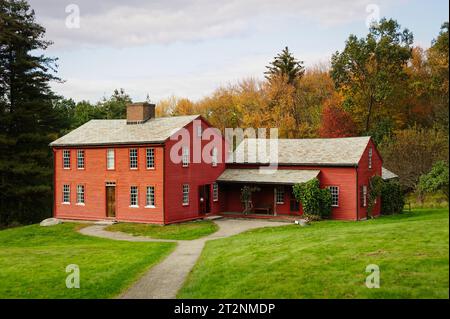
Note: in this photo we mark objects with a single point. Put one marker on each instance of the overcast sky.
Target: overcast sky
(188, 48)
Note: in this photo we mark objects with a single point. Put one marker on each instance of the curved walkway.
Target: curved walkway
(166, 278)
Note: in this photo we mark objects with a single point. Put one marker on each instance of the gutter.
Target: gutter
(108, 144)
(357, 195)
(299, 164)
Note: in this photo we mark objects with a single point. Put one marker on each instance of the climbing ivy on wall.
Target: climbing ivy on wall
(315, 201)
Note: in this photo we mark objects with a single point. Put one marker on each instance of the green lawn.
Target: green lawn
(328, 260)
(33, 260)
(182, 231)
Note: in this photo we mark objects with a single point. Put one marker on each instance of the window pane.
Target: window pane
(133, 196)
(133, 158)
(185, 156)
(364, 199)
(80, 159)
(150, 196)
(80, 194)
(110, 159)
(66, 193)
(66, 158)
(334, 190)
(150, 158)
(280, 195)
(185, 194)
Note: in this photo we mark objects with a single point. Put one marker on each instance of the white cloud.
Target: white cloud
(128, 23)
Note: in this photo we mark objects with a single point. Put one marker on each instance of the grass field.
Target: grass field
(328, 260)
(33, 260)
(182, 231)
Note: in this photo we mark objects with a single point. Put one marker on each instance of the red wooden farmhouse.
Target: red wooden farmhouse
(172, 169)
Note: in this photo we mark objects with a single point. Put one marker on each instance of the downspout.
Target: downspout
(357, 195)
(164, 185)
(54, 183)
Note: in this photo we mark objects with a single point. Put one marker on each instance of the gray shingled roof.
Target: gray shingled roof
(105, 132)
(387, 174)
(316, 151)
(281, 176)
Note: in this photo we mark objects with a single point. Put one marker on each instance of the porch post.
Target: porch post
(275, 201)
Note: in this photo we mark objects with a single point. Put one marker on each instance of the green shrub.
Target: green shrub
(436, 180)
(315, 201)
(376, 184)
(392, 198)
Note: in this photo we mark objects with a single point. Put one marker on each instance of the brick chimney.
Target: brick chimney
(141, 112)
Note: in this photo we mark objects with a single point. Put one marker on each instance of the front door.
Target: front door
(111, 201)
(204, 199)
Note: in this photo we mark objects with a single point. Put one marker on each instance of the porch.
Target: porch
(272, 192)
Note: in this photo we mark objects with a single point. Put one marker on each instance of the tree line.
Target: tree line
(379, 85)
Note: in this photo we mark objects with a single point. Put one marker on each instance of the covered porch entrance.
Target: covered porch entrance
(271, 191)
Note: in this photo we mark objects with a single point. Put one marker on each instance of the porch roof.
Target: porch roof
(267, 176)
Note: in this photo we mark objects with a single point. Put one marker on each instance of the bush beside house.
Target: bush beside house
(316, 202)
(392, 198)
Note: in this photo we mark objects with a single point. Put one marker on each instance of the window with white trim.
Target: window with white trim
(80, 159)
(66, 159)
(110, 161)
(214, 157)
(370, 157)
(150, 156)
(199, 131)
(150, 198)
(185, 194)
(66, 194)
(80, 194)
(364, 196)
(185, 156)
(334, 190)
(133, 158)
(280, 195)
(134, 196)
(215, 192)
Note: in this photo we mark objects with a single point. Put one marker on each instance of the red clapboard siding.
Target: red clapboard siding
(364, 175)
(94, 177)
(343, 177)
(195, 174)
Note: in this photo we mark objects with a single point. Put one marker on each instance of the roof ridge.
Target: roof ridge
(308, 138)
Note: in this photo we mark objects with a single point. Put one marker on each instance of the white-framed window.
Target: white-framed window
(364, 196)
(370, 157)
(185, 194)
(80, 194)
(134, 196)
(133, 158)
(185, 156)
(334, 190)
(110, 159)
(66, 159)
(150, 158)
(80, 159)
(280, 195)
(199, 131)
(66, 194)
(215, 192)
(214, 157)
(150, 197)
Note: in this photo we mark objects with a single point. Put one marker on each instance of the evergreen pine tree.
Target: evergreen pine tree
(28, 118)
(286, 65)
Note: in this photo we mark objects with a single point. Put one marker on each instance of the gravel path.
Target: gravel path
(166, 278)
